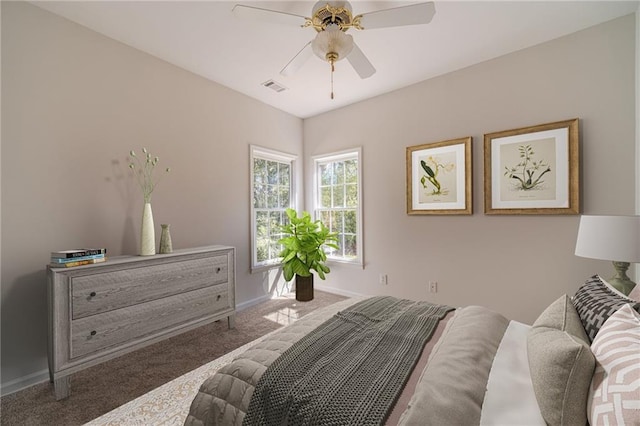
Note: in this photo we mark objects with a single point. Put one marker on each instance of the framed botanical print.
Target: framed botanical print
(439, 178)
(532, 170)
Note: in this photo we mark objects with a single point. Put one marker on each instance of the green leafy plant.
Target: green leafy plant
(143, 168)
(525, 171)
(303, 246)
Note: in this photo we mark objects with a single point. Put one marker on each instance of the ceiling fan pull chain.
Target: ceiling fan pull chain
(332, 70)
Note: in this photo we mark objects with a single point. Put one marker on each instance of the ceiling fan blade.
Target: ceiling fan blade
(360, 63)
(268, 15)
(414, 14)
(294, 64)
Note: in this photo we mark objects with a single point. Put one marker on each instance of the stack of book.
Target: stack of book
(77, 257)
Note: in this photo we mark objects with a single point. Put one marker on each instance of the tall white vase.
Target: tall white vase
(147, 235)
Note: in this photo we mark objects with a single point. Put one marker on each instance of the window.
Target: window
(337, 201)
(272, 193)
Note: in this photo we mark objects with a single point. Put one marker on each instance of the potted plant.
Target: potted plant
(303, 251)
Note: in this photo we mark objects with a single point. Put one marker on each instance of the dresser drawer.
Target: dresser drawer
(112, 290)
(101, 331)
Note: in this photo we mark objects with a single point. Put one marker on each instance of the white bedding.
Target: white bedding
(510, 399)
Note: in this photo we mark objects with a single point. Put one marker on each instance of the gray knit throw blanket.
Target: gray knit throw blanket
(348, 371)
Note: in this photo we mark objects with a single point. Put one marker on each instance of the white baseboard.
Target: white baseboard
(337, 291)
(24, 382)
(249, 303)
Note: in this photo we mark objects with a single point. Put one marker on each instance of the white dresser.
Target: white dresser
(101, 311)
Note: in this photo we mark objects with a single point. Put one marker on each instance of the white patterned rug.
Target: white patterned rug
(168, 404)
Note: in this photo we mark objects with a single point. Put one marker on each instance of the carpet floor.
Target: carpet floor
(99, 389)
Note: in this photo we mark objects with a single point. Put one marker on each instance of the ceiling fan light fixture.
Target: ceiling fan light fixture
(332, 44)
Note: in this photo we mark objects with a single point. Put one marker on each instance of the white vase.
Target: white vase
(147, 234)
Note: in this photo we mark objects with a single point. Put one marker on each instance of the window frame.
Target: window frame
(353, 153)
(269, 155)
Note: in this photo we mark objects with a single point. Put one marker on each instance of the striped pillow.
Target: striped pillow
(595, 303)
(614, 395)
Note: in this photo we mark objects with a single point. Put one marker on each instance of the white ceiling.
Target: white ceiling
(206, 38)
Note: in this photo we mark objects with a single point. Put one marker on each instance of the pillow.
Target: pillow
(614, 395)
(595, 303)
(561, 364)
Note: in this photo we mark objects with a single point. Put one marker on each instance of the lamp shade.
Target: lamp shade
(615, 238)
(332, 41)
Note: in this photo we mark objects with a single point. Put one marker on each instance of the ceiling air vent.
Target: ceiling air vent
(273, 85)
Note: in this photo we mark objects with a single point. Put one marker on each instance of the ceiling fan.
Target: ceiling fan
(331, 20)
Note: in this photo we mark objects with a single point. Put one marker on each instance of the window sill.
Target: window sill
(355, 262)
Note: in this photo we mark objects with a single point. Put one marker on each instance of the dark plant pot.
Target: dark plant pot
(304, 288)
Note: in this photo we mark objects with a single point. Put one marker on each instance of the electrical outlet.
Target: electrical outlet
(383, 279)
(433, 286)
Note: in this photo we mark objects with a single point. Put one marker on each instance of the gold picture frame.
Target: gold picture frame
(439, 178)
(533, 170)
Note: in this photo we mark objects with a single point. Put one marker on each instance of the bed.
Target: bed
(385, 360)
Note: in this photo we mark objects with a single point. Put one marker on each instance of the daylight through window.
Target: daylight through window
(337, 202)
(272, 194)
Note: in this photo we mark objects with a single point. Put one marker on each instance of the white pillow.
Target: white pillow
(614, 394)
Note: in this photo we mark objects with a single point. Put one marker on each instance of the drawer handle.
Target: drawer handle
(218, 298)
(92, 294)
(93, 332)
(218, 270)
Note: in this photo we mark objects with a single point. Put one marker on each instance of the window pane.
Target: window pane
(284, 197)
(325, 174)
(349, 247)
(352, 195)
(338, 196)
(338, 171)
(262, 229)
(272, 172)
(285, 174)
(259, 170)
(275, 219)
(351, 171)
(337, 221)
(325, 196)
(325, 217)
(275, 248)
(272, 196)
(350, 222)
(259, 200)
(262, 249)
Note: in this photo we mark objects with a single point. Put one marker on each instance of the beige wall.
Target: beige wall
(516, 265)
(74, 104)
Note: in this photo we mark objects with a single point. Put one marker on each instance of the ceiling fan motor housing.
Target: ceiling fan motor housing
(332, 12)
